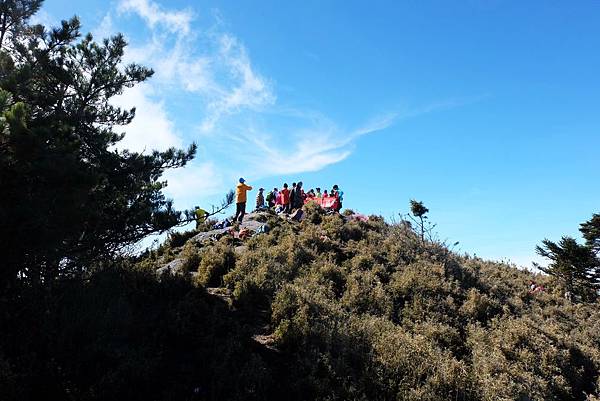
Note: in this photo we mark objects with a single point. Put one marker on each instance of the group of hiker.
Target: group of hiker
(286, 200)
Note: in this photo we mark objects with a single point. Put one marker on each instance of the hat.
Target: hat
(261, 189)
(242, 180)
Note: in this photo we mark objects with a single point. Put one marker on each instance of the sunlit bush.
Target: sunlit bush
(215, 262)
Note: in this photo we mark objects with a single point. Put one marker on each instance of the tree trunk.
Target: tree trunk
(2, 30)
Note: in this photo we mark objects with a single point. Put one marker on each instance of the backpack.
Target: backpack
(297, 215)
(270, 197)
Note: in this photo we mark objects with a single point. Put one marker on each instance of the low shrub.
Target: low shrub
(215, 262)
(177, 238)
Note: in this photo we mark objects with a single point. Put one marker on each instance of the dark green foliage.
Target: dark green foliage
(572, 264)
(13, 17)
(419, 211)
(68, 197)
(124, 335)
(417, 208)
(575, 266)
(591, 232)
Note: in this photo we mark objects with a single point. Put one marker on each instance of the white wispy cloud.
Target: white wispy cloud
(193, 182)
(239, 117)
(174, 21)
(43, 17)
(249, 90)
(313, 143)
(105, 29)
(210, 64)
(152, 128)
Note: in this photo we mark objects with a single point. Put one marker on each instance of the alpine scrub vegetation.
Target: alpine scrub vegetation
(349, 309)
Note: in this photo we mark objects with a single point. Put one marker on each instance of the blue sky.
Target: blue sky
(487, 111)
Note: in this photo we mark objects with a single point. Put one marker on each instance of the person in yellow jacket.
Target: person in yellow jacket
(240, 200)
(201, 216)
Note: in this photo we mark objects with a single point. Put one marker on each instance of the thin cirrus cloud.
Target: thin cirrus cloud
(317, 142)
(153, 14)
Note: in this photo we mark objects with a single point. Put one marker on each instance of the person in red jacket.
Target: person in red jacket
(285, 198)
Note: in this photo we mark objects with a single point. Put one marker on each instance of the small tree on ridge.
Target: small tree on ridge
(419, 210)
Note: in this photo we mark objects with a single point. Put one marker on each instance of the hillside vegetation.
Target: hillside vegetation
(326, 309)
(333, 308)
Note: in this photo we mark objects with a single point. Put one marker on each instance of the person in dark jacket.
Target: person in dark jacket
(298, 196)
(293, 196)
(271, 197)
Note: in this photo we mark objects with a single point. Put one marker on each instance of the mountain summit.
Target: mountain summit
(345, 306)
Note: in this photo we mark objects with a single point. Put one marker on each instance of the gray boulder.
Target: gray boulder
(173, 267)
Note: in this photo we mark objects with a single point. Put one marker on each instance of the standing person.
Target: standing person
(285, 198)
(260, 199)
(340, 195)
(201, 216)
(298, 198)
(240, 199)
(293, 195)
(272, 197)
(318, 194)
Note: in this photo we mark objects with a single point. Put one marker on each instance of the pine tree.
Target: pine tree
(591, 232)
(419, 210)
(13, 17)
(69, 198)
(576, 266)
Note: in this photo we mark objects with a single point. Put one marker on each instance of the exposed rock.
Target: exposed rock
(209, 235)
(266, 340)
(250, 222)
(173, 267)
(240, 249)
(252, 225)
(223, 293)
